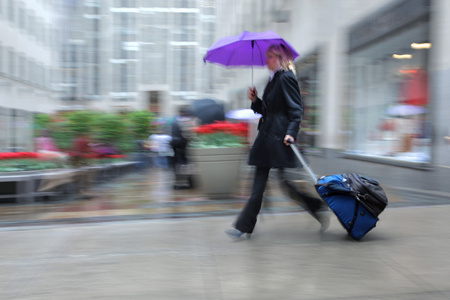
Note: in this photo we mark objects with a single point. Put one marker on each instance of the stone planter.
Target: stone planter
(217, 169)
(28, 186)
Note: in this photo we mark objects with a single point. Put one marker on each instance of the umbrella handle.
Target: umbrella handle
(253, 44)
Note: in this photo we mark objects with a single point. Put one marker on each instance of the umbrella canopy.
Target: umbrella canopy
(242, 114)
(208, 111)
(406, 110)
(245, 49)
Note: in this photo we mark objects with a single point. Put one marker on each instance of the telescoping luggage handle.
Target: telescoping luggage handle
(302, 160)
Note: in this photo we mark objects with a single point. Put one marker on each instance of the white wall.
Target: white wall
(17, 92)
(22, 94)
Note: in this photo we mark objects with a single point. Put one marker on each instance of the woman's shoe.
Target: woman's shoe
(236, 234)
(324, 219)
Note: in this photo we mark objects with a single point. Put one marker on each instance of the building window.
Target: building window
(22, 18)
(11, 63)
(31, 71)
(1, 60)
(4, 127)
(11, 11)
(31, 24)
(22, 67)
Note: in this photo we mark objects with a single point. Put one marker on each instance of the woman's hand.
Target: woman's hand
(252, 94)
(288, 138)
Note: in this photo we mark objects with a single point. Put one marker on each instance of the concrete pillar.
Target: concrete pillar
(332, 87)
(440, 78)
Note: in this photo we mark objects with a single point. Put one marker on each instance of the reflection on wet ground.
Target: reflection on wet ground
(149, 194)
(142, 195)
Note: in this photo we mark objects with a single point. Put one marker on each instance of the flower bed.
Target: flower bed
(16, 155)
(220, 134)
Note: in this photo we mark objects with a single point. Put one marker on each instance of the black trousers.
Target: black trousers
(246, 220)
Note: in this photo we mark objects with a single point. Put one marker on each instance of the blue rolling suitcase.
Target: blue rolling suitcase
(355, 199)
(350, 205)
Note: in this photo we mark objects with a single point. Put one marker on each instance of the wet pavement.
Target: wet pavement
(160, 243)
(405, 257)
(139, 195)
(149, 195)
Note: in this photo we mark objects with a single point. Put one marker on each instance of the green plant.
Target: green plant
(62, 134)
(41, 122)
(140, 124)
(67, 126)
(119, 130)
(109, 128)
(81, 122)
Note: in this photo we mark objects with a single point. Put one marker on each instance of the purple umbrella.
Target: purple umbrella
(245, 49)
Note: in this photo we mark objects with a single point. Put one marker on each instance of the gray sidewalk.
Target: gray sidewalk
(404, 257)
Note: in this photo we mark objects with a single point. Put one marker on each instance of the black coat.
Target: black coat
(178, 143)
(281, 108)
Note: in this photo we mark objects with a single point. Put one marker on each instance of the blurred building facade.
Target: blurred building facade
(29, 67)
(136, 54)
(372, 75)
(108, 55)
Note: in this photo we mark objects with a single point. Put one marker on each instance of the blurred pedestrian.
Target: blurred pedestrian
(104, 148)
(182, 132)
(81, 150)
(46, 147)
(142, 148)
(281, 109)
(80, 154)
(160, 146)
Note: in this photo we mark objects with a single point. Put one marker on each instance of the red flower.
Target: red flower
(17, 155)
(239, 129)
(116, 156)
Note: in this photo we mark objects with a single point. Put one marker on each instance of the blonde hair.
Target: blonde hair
(285, 56)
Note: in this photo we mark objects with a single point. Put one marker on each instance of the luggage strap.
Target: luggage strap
(338, 192)
(355, 215)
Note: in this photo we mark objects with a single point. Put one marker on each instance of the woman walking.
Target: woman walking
(281, 108)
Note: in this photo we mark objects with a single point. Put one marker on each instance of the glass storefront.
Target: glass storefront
(387, 109)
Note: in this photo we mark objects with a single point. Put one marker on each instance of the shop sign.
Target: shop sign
(387, 20)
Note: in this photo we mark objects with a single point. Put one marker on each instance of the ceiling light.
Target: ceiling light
(402, 56)
(408, 71)
(421, 45)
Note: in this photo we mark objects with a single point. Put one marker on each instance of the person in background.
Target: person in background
(182, 132)
(281, 108)
(80, 150)
(142, 148)
(79, 158)
(45, 145)
(160, 146)
(103, 148)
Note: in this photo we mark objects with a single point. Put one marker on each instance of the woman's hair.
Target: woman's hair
(285, 56)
